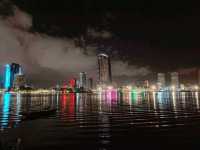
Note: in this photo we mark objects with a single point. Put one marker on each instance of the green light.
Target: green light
(134, 95)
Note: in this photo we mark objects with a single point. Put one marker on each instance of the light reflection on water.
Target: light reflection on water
(5, 110)
(99, 116)
(12, 106)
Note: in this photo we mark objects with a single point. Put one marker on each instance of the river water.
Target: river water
(162, 120)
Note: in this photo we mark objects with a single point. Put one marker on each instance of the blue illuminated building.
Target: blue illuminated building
(7, 80)
(11, 70)
(15, 70)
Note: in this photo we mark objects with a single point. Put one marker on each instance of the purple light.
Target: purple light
(111, 95)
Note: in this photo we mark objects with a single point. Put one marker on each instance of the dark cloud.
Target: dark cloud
(6, 8)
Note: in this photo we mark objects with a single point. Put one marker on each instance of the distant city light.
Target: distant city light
(153, 87)
(110, 87)
(173, 87)
(99, 89)
(129, 87)
(196, 87)
(15, 81)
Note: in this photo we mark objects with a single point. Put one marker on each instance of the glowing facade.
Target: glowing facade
(7, 80)
(72, 83)
(105, 76)
(11, 72)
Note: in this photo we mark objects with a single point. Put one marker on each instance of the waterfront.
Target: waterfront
(153, 120)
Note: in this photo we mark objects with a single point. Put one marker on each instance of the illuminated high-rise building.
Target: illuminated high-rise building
(7, 77)
(15, 70)
(161, 82)
(105, 76)
(174, 79)
(11, 72)
(83, 81)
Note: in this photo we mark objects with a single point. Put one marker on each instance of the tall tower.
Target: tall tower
(15, 70)
(11, 72)
(7, 77)
(105, 76)
(83, 81)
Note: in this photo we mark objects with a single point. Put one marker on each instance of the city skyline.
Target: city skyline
(12, 77)
(99, 74)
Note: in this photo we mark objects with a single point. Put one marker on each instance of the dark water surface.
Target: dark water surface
(101, 121)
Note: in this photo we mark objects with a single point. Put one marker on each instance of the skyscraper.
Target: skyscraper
(11, 71)
(7, 77)
(105, 76)
(83, 81)
(15, 70)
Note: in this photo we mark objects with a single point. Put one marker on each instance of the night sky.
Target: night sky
(163, 35)
(153, 32)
